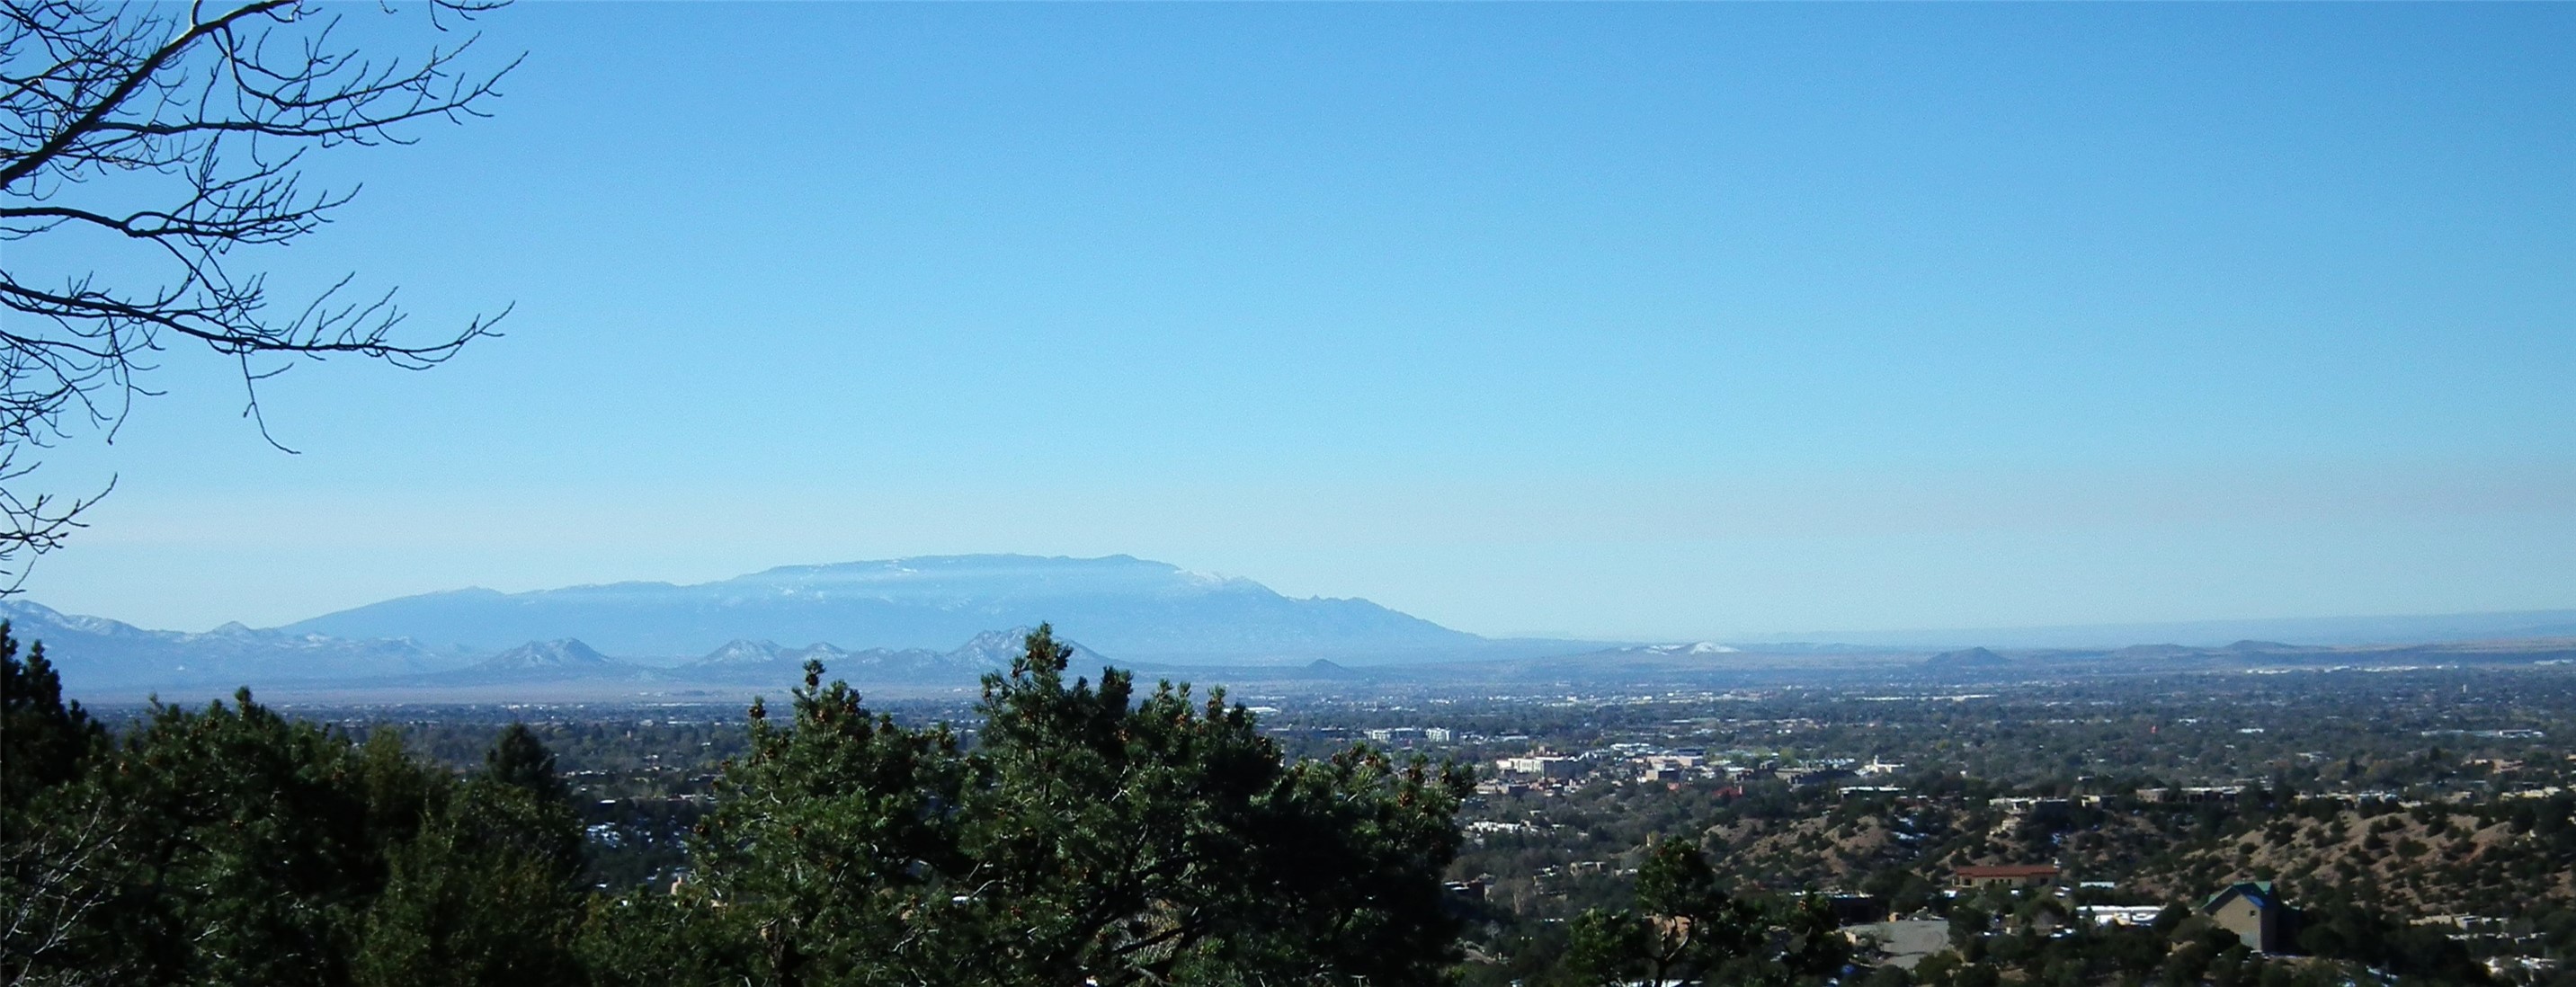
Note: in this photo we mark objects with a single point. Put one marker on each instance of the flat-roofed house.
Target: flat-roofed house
(2004, 876)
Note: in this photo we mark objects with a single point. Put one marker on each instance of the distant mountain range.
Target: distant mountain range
(96, 655)
(747, 662)
(94, 652)
(897, 622)
(904, 617)
(2307, 631)
(1129, 607)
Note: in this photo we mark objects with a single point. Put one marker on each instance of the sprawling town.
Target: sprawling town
(2333, 826)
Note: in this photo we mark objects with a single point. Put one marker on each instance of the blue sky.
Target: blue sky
(1634, 321)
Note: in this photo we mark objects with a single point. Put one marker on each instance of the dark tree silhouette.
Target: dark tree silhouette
(42, 739)
(176, 133)
(518, 759)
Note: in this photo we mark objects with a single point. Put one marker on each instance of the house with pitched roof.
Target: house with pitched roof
(2254, 912)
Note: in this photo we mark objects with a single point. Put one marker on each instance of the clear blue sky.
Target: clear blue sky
(1639, 321)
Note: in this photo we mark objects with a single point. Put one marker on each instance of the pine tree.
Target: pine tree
(488, 890)
(520, 760)
(43, 740)
(1090, 836)
(1685, 929)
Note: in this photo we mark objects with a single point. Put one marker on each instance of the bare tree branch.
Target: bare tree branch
(209, 110)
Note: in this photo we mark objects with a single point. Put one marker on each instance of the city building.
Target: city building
(1539, 766)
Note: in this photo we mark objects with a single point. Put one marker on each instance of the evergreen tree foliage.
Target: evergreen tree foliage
(44, 744)
(483, 894)
(42, 739)
(225, 846)
(830, 856)
(520, 803)
(1687, 929)
(520, 760)
(1090, 836)
(1165, 838)
(1609, 946)
(231, 845)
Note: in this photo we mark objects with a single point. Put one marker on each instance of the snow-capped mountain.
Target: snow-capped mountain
(1694, 648)
(563, 654)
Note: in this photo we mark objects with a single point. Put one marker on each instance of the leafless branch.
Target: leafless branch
(57, 876)
(208, 110)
